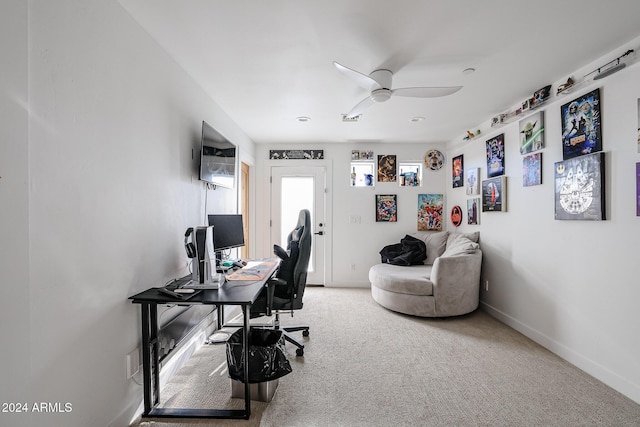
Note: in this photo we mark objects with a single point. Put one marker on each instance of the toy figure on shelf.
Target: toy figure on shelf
(471, 135)
(565, 86)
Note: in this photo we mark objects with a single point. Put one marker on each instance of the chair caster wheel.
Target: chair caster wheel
(305, 333)
(299, 352)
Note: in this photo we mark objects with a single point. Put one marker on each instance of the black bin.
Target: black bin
(267, 356)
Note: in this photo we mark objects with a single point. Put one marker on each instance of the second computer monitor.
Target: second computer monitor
(228, 231)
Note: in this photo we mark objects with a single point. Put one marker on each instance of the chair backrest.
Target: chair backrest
(303, 234)
(294, 265)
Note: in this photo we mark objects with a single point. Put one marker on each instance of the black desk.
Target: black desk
(240, 293)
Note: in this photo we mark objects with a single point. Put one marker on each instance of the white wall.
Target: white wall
(352, 243)
(98, 186)
(570, 285)
(14, 208)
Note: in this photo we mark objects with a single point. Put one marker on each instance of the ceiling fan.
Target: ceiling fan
(379, 84)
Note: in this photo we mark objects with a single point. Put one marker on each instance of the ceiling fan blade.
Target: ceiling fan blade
(426, 92)
(361, 79)
(359, 109)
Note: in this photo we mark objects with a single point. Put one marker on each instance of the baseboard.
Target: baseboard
(602, 373)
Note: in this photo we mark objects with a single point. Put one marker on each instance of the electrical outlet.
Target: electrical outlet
(486, 285)
(132, 363)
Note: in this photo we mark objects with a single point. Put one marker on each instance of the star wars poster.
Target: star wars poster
(581, 125)
(430, 210)
(532, 170)
(495, 156)
(457, 171)
(579, 188)
(494, 194)
(473, 181)
(532, 133)
(472, 211)
(386, 208)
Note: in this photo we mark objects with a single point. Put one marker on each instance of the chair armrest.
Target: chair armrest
(456, 282)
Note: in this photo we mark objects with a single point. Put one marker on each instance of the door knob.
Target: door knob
(320, 233)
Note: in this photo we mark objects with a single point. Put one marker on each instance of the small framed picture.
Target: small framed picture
(532, 170)
(457, 171)
(386, 207)
(473, 217)
(473, 181)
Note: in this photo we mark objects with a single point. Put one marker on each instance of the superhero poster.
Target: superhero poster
(495, 156)
(581, 125)
(430, 211)
(579, 188)
(494, 194)
(386, 208)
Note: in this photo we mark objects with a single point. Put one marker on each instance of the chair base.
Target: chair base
(287, 336)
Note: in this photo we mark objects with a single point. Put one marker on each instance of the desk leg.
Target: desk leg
(245, 343)
(150, 364)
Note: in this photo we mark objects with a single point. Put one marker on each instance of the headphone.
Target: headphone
(189, 246)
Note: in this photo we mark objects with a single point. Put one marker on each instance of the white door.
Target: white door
(294, 189)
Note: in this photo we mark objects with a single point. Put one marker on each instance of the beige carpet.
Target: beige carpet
(367, 366)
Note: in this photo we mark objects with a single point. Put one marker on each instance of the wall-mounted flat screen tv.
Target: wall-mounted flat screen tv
(218, 158)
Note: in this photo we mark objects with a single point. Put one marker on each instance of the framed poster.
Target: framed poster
(579, 188)
(387, 168)
(495, 156)
(472, 211)
(581, 125)
(296, 154)
(386, 207)
(430, 211)
(457, 171)
(494, 194)
(473, 181)
(532, 170)
(532, 133)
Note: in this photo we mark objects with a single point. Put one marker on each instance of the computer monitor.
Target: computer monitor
(228, 232)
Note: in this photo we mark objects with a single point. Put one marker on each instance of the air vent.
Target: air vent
(351, 119)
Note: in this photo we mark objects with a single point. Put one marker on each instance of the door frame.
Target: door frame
(328, 228)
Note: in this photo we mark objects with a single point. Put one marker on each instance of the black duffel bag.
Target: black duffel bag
(410, 251)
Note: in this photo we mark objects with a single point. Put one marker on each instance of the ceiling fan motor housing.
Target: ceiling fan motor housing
(380, 95)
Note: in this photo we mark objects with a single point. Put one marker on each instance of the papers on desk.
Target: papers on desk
(254, 270)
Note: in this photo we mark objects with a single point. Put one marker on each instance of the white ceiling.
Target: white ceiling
(267, 62)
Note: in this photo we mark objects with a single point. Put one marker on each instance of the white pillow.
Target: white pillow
(459, 246)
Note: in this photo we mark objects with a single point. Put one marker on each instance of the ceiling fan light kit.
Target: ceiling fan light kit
(379, 84)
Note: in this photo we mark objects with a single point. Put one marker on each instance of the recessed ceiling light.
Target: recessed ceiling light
(303, 119)
(417, 119)
(468, 70)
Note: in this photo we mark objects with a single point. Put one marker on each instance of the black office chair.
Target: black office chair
(286, 290)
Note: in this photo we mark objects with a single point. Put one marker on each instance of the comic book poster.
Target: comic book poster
(532, 170)
(473, 181)
(457, 171)
(581, 125)
(532, 133)
(494, 194)
(387, 168)
(386, 208)
(430, 209)
(472, 211)
(579, 188)
(495, 156)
